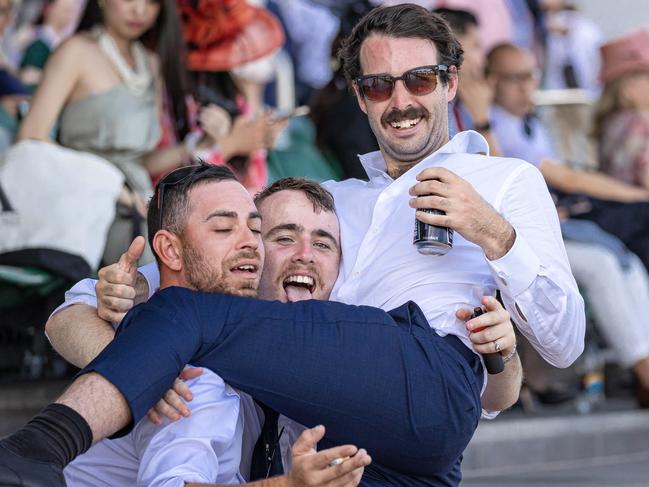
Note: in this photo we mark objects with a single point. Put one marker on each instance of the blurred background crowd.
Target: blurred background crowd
(99, 98)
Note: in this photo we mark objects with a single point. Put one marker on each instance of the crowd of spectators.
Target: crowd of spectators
(150, 86)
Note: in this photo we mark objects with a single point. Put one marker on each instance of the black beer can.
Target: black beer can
(430, 239)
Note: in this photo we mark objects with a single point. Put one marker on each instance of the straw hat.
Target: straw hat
(223, 34)
(624, 55)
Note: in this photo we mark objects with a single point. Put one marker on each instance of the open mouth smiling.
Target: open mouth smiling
(251, 269)
(301, 281)
(405, 124)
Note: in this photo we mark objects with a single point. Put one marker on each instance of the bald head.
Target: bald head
(513, 73)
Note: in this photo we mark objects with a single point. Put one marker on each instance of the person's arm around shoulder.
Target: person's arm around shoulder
(80, 331)
(60, 76)
(78, 334)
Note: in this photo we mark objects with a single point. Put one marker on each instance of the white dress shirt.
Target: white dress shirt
(206, 447)
(381, 267)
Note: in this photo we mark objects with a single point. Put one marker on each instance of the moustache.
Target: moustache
(246, 255)
(410, 113)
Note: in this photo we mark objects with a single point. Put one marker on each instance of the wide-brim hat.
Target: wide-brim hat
(625, 55)
(223, 34)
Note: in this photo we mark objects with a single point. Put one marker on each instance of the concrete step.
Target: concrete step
(511, 445)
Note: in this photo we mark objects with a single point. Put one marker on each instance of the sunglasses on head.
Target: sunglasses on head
(418, 81)
(176, 176)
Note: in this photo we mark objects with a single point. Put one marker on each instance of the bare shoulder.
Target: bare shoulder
(78, 47)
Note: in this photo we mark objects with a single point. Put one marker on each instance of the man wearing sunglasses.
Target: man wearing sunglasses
(520, 252)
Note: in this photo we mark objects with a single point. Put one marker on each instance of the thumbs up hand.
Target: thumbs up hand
(115, 288)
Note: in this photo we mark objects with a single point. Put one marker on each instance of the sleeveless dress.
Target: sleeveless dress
(122, 127)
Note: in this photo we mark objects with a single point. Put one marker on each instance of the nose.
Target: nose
(304, 252)
(401, 97)
(248, 239)
(139, 7)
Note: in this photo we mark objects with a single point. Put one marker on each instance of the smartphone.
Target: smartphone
(493, 361)
(300, 111)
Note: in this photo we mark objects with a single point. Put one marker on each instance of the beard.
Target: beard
(404, 154)
(203, 275)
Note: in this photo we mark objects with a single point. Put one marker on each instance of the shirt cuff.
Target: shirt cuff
(152, 276)
(489, 414)
(518, 268)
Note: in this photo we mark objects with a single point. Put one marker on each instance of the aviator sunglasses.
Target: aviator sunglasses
(418, 81)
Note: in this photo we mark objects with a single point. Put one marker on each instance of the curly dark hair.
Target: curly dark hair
(405, 20)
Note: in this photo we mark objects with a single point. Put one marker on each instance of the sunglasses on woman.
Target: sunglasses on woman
(418, 81)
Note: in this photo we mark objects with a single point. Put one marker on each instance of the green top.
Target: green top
(36, 55)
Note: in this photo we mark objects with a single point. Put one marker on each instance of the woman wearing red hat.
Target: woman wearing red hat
(231, 47)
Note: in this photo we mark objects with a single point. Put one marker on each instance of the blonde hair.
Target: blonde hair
(609, 103)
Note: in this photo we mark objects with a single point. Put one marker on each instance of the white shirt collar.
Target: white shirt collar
(469, 142)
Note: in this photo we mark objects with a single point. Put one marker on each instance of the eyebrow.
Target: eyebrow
(231, 214)
(294, 227)
(325, 234)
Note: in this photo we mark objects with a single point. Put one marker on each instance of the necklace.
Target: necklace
(137, 80)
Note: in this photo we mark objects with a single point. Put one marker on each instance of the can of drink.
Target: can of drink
(430, 239)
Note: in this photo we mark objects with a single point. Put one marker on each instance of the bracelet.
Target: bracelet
(510, 355)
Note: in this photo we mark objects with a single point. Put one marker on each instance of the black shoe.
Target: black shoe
(17, 471)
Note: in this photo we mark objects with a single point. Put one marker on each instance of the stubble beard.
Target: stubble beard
(201, 275)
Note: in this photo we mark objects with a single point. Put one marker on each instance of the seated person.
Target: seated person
(617, 207)
(512, 71)
(621, 121)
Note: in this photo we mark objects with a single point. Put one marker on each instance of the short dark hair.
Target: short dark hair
(321, 199)
(459, 20)
(405, 20)
(173, 190)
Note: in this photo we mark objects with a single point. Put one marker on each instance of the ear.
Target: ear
(451, 86)
(168, 248)
(359, 97)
